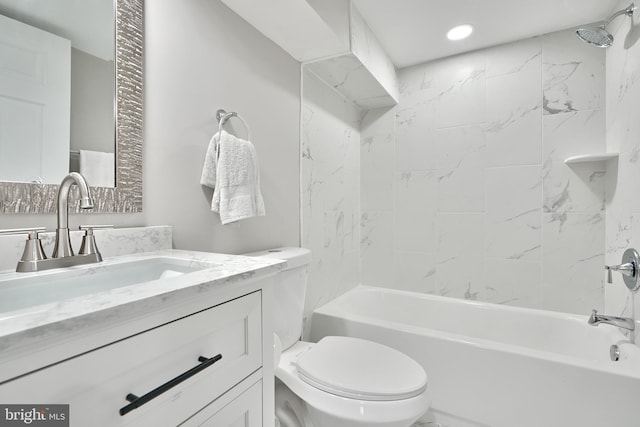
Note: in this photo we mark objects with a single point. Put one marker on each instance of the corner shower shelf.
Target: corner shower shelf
(584, 158)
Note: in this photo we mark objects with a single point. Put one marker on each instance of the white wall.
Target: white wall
(623, 177)
(475, 201)
(92, 99)
(379, 266)
(200, 56)
(330, 191)
(366, 47)
(463, 187)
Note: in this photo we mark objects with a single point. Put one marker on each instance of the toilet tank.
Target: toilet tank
(289, 292)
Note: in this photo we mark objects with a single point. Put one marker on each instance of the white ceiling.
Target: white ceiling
(414, 31)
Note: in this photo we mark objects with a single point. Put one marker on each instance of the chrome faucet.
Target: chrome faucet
(63, 241)
(621, 322)
(34, 258)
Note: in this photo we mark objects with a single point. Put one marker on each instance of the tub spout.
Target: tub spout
(621, 322)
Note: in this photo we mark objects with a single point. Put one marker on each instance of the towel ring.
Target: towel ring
(223, 116)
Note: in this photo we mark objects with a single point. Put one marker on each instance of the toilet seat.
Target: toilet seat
(360, 369)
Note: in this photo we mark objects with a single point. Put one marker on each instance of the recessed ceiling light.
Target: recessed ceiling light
(460, 32)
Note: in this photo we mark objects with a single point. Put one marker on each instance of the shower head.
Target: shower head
(599, 36)
(596, 36)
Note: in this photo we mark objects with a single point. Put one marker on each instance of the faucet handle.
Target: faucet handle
(89, 246)
(609, 275)
(33, 246)
(33, 251)
(629, 268)
(94, 227)
(31, 231)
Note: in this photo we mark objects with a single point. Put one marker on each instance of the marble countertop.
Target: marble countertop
(71, 315)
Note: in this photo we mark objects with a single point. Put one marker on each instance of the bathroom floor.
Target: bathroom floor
(429, 424)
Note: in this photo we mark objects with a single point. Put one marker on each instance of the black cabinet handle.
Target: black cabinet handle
(137, 402)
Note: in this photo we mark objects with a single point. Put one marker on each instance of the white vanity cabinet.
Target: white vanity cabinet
(221, 349)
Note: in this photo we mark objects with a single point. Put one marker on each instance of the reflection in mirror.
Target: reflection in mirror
(57, 90)
(45, 128)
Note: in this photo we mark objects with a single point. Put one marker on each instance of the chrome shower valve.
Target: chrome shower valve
(630, 269)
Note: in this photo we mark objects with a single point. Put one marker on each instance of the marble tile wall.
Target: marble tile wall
(364, 74)
(366, 47)
(348, 75)
(474, 199)
(330, 168)
(376, 196)
(623, 175)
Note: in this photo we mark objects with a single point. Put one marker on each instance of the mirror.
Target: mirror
(57, 90)
(88, 128)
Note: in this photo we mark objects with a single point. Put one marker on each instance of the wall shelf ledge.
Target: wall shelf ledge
(596, 157)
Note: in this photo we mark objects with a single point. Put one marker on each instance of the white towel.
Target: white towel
(98, 168)
(208, 177)
(237, 192)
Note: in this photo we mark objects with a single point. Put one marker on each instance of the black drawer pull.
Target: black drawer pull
(137, 402)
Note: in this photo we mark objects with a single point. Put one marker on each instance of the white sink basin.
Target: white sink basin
(18, 293)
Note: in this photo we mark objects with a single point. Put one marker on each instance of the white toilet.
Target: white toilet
(340, 381)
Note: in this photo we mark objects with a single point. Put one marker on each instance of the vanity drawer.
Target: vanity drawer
(96, 383)
(239, 407)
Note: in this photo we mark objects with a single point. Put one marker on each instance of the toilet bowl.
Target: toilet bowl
(339, 381)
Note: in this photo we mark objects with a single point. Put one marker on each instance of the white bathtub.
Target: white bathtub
(494, 365)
